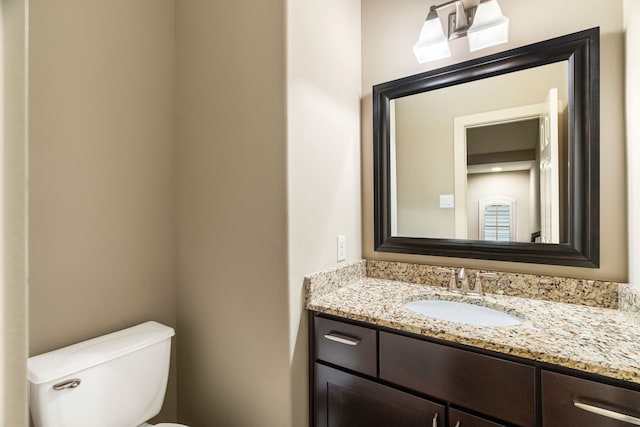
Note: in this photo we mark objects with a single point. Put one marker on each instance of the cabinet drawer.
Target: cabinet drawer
(499, 388)
(573, 402)
(462, 419)
(349, 346)
(346, 400)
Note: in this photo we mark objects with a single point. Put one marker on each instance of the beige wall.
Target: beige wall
(233, 306)
(632, 30)
(13, 260)
(102, 160)
(323, 111)
(390, 30)
(237, 213)
(102, 240)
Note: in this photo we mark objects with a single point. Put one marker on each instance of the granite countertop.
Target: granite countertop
(601, 341)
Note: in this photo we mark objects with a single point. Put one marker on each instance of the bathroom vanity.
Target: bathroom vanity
(375, 363)
(572, 358)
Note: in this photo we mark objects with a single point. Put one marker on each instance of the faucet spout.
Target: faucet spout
(463, 281)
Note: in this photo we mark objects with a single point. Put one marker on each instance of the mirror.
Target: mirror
(494, 158)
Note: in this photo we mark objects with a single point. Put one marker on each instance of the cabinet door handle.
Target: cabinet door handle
(457, 424)
(342, 339)
(435, 420)
(607, 413)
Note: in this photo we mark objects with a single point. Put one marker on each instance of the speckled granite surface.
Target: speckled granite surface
(602, 341)
(330, 280)
(594, 293)
(630, 299)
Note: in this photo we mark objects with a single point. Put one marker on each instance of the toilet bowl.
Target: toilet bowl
(115, 380)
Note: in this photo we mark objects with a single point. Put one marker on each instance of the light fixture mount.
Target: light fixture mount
(484, 25)
(454, 30)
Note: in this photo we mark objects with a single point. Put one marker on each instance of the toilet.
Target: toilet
(115, 380)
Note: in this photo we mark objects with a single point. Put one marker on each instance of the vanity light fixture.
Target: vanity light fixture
(484, 25)
(432, 43)
(490, 27)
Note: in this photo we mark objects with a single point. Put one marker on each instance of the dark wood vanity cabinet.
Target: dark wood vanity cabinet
(346, 400)
(348, 346)
(492, 386)
(367, 376)
(459, 418)
(575, 402)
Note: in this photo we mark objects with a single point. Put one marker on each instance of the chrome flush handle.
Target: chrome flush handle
(72, 383)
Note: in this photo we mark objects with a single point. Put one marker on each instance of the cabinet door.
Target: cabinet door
(499, 388)
(462, 419)
(345, 400)
(574, 402)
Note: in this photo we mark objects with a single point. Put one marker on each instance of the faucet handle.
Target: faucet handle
(453, 286)
(477, 283)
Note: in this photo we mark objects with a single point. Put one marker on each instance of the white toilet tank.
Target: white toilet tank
(116, 380)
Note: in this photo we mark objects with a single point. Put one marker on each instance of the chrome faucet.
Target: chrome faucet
(463, 281)
(453, 285)
(460, 282)
(477, 283)
(457, 282)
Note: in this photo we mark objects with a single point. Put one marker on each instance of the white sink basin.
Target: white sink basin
(460, 312)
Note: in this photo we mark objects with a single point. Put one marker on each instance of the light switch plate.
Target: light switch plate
(342, 248)
(446, 201)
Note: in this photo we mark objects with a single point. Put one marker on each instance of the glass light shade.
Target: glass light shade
(490, 27)
(432, 43)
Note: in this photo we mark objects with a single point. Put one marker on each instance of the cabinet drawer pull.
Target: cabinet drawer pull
(607, 413)
(435, 420)
(457, 424)
(342, 339)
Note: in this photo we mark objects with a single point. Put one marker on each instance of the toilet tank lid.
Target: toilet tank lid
(86, 354)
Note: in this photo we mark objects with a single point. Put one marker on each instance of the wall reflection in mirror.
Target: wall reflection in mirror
(484, 160)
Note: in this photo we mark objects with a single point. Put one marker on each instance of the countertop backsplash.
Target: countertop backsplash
(629, 299)
(320, 283)
(592, 293)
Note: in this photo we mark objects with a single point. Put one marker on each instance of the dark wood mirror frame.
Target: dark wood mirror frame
(581, 50)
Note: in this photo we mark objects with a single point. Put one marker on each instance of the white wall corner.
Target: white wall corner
(632, 87)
